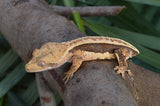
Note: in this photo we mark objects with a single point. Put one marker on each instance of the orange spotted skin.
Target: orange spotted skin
(52, 55)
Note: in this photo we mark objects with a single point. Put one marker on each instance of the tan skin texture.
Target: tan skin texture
(53, 55)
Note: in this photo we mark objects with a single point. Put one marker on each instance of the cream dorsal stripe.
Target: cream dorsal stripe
(97, 39)
(92, 39)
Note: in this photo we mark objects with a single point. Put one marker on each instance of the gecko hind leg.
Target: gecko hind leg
(122, 55)
(77, 61)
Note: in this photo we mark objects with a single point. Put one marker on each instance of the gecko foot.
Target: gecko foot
(67, 77)
(122, 70)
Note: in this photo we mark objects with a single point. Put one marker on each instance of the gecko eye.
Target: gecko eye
(42, 64)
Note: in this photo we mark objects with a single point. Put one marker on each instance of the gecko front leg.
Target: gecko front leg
(77, 60)
(122, 55)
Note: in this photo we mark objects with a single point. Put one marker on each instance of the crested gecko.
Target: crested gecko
(52, 55)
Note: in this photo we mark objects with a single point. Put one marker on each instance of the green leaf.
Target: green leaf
(131, 20)
(68, 3)
(138, 7)
(75, 14)
(142, 39)
(12, 79)
(7, 60)
(146, 55)
(150, 12)
(149, 57)
(57, 98)
(1, 101)
(4, 43)
(158, 25)
(53, 2)
(15, 100)
(149, 2)
(78, 21)
(31, 93)
(145, 40)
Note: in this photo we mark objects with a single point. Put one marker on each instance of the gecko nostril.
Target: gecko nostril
(42, 64)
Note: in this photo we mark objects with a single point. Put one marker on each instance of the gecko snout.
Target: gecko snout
(26, 68)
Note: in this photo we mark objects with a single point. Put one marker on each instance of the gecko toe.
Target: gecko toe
(122, 73)
(67, 77)
(130, 73)
(116, 68)
(122, 70)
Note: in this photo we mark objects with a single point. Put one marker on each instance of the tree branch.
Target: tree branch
(88, 11)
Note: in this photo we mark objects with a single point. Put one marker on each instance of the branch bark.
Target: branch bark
(88, 11)
(27, 26)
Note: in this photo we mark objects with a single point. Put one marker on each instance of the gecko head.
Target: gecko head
(38, 64)
(48, 57)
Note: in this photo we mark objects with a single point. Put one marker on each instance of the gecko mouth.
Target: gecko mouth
(36, 68)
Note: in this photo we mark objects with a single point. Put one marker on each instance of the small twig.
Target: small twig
(89, 11)
(45, 94)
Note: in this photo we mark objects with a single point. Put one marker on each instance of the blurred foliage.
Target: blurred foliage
(138, 24)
